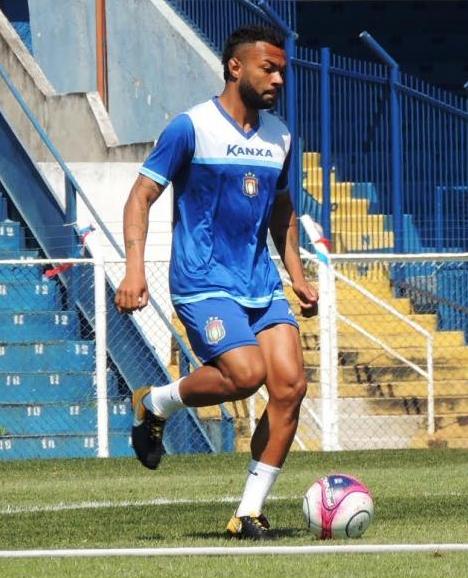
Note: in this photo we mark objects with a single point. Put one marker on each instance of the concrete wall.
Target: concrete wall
(63, 36)
(107, 186)
(157, 66)
(77, 124)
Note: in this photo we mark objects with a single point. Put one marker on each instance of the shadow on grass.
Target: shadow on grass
(276, 534)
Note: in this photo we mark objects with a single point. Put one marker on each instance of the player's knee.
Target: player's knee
(249, 379)
(291, 392)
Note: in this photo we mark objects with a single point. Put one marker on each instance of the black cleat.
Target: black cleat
(249, 527)
(147, 431)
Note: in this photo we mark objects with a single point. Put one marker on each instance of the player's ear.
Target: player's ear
(234, 65)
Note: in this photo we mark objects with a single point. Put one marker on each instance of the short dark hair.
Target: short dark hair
(249, 35)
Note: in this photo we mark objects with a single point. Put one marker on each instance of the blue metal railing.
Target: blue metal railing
(399, 143)
(216, 20)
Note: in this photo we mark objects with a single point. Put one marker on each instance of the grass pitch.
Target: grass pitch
(420, 497)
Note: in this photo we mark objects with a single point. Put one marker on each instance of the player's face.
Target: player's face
(261, 71)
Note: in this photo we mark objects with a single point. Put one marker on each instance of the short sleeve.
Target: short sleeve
(173, 150)
(282, 184)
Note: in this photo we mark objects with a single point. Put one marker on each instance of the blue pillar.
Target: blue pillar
(395, 138)
(291, 113)
(395, 120)
(325, 145)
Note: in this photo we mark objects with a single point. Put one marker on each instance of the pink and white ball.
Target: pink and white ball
(338, 506)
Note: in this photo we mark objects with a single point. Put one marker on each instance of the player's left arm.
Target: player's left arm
(284, 231)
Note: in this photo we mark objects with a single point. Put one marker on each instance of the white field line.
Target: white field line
(62, 506)
(10, 509)
(236, 550)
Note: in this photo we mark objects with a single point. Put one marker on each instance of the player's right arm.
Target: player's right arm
(133, 293)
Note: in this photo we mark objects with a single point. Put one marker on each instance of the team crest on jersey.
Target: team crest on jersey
(214, 330)
(250, 185)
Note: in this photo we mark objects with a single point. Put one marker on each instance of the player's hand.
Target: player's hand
(308, 298)
(132, 294)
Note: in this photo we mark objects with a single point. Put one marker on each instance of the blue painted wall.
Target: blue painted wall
(63, 43)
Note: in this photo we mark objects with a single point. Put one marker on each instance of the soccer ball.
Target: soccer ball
(338, 506)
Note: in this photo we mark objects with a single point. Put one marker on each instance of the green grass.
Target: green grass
(420, 497)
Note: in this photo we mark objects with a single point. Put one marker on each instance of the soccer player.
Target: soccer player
(228, 161)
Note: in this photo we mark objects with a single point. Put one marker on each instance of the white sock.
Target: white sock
(164, 400)
(259, 482)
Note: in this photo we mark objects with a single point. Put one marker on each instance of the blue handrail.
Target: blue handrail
(325, 140)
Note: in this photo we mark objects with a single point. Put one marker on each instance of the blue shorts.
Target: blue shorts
(217, 325)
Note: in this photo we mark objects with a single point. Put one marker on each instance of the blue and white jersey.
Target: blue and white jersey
(225, 183)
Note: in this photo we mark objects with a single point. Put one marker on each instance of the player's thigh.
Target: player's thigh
(281, 349)
(220, 334)
(244, 366)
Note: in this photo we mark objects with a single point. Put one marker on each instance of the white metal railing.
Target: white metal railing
(428, 374)
(328, 329)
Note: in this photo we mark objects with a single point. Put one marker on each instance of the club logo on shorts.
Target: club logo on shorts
(214, 330)
(250, 188)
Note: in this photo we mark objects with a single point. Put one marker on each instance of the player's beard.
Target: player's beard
(252, 99)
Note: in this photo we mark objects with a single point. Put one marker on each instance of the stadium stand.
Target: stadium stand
(356, 205)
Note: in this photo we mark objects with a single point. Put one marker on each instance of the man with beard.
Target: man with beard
(228, 161)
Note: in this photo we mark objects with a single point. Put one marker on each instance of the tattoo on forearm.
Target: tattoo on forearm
(132, 243)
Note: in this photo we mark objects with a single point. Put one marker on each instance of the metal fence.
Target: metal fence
(69, 360)
(216, 20)
(56, 390)
(392, 170)
(386, 360)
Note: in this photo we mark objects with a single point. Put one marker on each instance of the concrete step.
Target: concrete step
(345, 242)
(15, 253)
(443, 406)
(56, 418)
(27, 326)
(349, 356)
(397, 390)
(53, 356)
(340, 192)
(383, 324)
(388, 375)
(43, 387)
(28, 295)
(21, 273)
(379, 432)
(363, 224)
(62, 446)
(411, 339)
(11, 236)
(310, 160)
